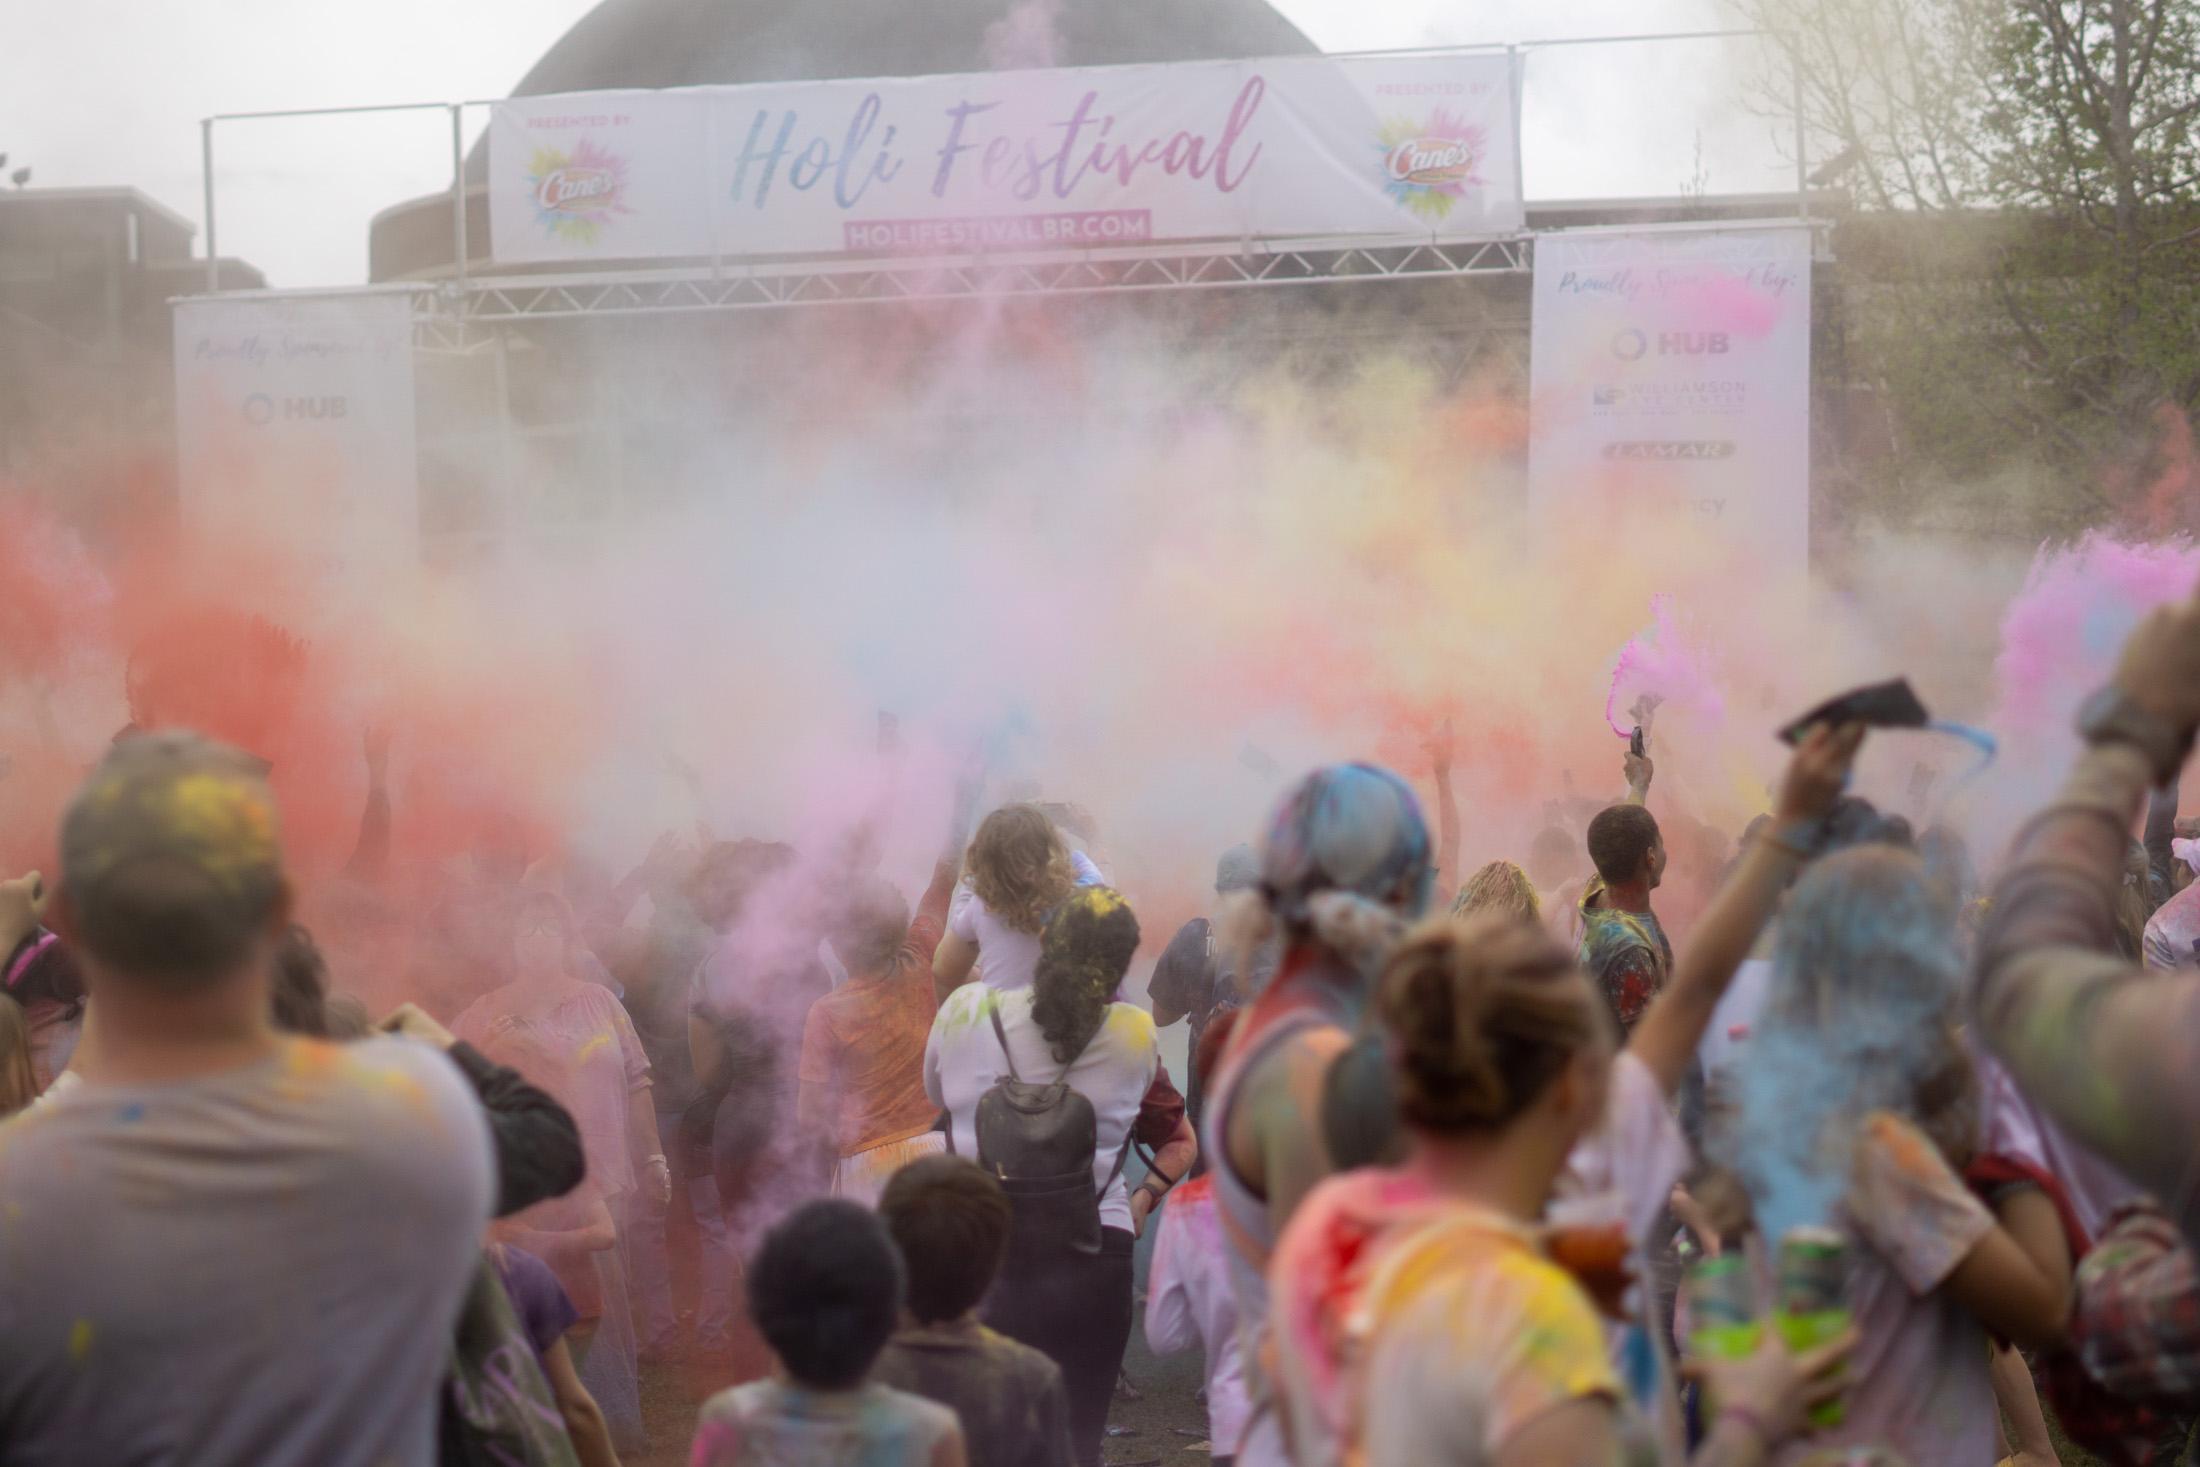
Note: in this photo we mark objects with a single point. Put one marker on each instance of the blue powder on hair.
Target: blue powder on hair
(1859, 1014)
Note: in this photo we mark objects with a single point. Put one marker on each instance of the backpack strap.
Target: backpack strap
(1122, 1152)
(993, 1012)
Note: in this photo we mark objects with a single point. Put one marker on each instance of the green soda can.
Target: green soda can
(1722, 1312)
(1812, 1305)
(1722, 1309)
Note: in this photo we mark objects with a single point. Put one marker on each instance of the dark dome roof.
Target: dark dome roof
(678, 43)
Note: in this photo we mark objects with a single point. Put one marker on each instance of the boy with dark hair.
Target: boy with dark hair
(1623, 948)
(825, 1289)
(950, 1219)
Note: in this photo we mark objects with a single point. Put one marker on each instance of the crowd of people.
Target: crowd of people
(1875, 1164)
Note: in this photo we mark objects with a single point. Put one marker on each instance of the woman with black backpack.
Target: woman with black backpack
(1044, 1086)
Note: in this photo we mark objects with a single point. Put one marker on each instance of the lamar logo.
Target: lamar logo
(260, 409)
(1670, 450)
(1632, 345)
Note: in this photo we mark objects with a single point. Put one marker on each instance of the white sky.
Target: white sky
(109, 92)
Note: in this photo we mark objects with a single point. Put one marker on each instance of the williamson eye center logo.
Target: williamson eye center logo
(1428, 167)
(577, 193)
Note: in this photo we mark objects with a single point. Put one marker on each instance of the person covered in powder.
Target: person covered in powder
(1856, 1107)
(750, 998)
(1200, 977)
(825, 1291)
(1019, 869)
(1623, 947)
(1628, 1163)
(1189, 1301)
(1345, 858)
(284, 1229)
(1424, 1313)
(862, 1070)
(2108, 1051)
(570, 1036)
(1058, 1292)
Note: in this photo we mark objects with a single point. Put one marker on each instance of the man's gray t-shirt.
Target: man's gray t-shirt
(260, 1267)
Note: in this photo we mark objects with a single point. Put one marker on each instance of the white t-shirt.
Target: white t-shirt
(1735, 1016)
(1006, 958)
(963, 1060)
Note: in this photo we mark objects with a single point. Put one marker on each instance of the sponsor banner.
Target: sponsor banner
(1670, 376)
(1405, 148)
(297, 413)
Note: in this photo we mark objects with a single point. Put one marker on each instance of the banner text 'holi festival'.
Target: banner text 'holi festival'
(1381, 149)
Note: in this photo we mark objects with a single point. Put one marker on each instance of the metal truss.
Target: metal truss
(447, 316)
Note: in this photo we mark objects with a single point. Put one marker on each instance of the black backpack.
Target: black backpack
(1039, 1142)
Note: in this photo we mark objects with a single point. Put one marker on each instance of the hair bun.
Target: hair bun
(1482, 1015)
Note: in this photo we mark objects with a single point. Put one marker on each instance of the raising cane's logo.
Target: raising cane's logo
(577, 193)
(1428, 167)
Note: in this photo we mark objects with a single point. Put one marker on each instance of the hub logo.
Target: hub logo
(1428, 167)
(260, 409)
(577, 193)
(1632, 345)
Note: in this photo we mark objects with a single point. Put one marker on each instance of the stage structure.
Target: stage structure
(626, 227)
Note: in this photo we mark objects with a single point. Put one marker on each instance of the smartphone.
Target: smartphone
(1890, 704)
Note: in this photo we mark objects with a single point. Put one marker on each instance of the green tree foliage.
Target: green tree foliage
(2024, 254)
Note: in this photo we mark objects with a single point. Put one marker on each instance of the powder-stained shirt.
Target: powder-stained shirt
(963, 1059)
(1918, 1381)
(1410, 1327)
(584, 1051)
(1625, 954)
(1009, 1397)
(863, 1043)
(772, 1423)
(259, 1266)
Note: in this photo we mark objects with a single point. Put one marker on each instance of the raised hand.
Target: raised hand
(1817, 773)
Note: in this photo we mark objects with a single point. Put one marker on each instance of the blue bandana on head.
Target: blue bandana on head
(1346, 827)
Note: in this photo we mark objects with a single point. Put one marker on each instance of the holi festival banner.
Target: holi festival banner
(1670, 377)
(1395, 149)
(296, 414)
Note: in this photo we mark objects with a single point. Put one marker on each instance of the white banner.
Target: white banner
(297, 413)
(1670, 378)
(1383, 149)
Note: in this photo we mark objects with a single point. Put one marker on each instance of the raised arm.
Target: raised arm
(931, 915)
(536, 1144)
(1442, 747)
(370, 856)
(1674, 1026)
(2102, 1047)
